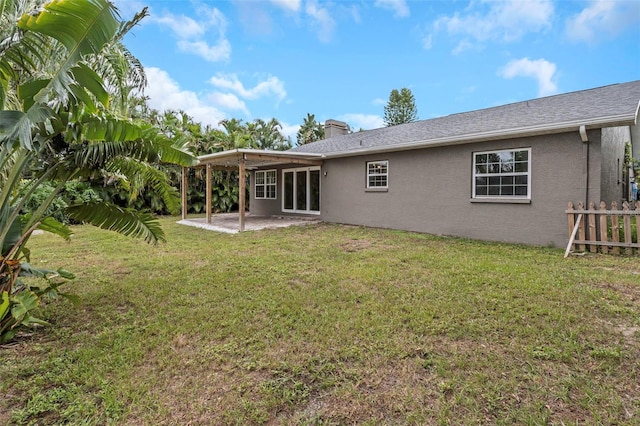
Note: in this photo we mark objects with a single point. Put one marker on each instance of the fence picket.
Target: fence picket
(593, 236)
(592, 227)
(572, 221)
(615, 232)
(627, 226)
(603, 227)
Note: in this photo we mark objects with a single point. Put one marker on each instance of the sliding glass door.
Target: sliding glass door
(301, 190)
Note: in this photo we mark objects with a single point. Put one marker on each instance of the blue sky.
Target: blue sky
(340, 59)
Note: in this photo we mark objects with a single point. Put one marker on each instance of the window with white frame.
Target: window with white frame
(377, 174)
(265, 185)
(502, 174)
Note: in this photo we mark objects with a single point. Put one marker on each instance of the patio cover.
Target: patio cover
(242, 160)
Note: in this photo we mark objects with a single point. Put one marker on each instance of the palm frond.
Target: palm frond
(147, 175)
(124, 221)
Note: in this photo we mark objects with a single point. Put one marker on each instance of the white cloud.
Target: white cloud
(229, 101)
(128, 8)
(504, 21)
(602, 17)
(290, 5)
(541, 70)
(427, 42)
(364, 121)
(379, 101)
(192, 34)
(290, 130)
(164, 94)
(461, 47)
(399, 7)
(219, 52)
(322, 20)
(271, 86)
(355, 14)
(182, 26)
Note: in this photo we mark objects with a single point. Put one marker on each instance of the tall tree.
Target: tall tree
(310, 131)
(238, 135)
(401, 108)
(267, 135)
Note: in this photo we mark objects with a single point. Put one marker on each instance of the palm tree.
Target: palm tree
(310, 131)
(61, 66)
(267, 135)
(238, 135)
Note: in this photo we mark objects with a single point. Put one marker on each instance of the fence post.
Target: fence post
(615, 231)
(603, 226)
(627, 227)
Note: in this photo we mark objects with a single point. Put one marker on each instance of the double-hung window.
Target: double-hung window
(265, 185)
(504, 174)
(377, 174)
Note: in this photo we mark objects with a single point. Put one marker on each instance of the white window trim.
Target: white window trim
(295, 183)
(501, 198)
(265, 184)
(386, 162)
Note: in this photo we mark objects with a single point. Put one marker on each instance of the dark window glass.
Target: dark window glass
(301, 190)
(314, 190)
(288, 190)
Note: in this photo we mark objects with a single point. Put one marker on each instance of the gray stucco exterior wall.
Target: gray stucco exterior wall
(430, 190)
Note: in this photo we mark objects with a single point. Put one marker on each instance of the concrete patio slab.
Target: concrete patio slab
(229, 222)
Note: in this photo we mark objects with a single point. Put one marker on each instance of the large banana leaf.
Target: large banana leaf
(125, 221)
(84, 27)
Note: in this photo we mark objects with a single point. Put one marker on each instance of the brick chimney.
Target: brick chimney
(334, 128)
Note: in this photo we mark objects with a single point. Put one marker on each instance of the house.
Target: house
(501, 174)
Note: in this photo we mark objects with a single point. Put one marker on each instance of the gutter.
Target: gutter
(585, 143)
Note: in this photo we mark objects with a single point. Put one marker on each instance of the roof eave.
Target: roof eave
(258, 158)
(569, 126)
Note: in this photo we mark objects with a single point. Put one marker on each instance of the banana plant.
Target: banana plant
(61, 65)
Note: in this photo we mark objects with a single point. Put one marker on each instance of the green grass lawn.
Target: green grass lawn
(327, 324)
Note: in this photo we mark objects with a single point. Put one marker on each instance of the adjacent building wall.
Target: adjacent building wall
(635, 141)
(613, 185)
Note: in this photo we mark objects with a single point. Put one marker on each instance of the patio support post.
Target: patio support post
(242, 184)
(183, 194)
(208, 194)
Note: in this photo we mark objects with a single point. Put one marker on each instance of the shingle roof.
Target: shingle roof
(606, 106)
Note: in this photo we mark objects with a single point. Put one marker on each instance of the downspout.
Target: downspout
(585, 150)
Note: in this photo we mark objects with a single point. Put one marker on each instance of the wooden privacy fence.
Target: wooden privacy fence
(605, 230)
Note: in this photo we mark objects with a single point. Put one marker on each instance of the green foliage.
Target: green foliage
(20, 299)
(401, 108)
(61, 64)
(39, 196)
(74, 192)
(310, 131)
